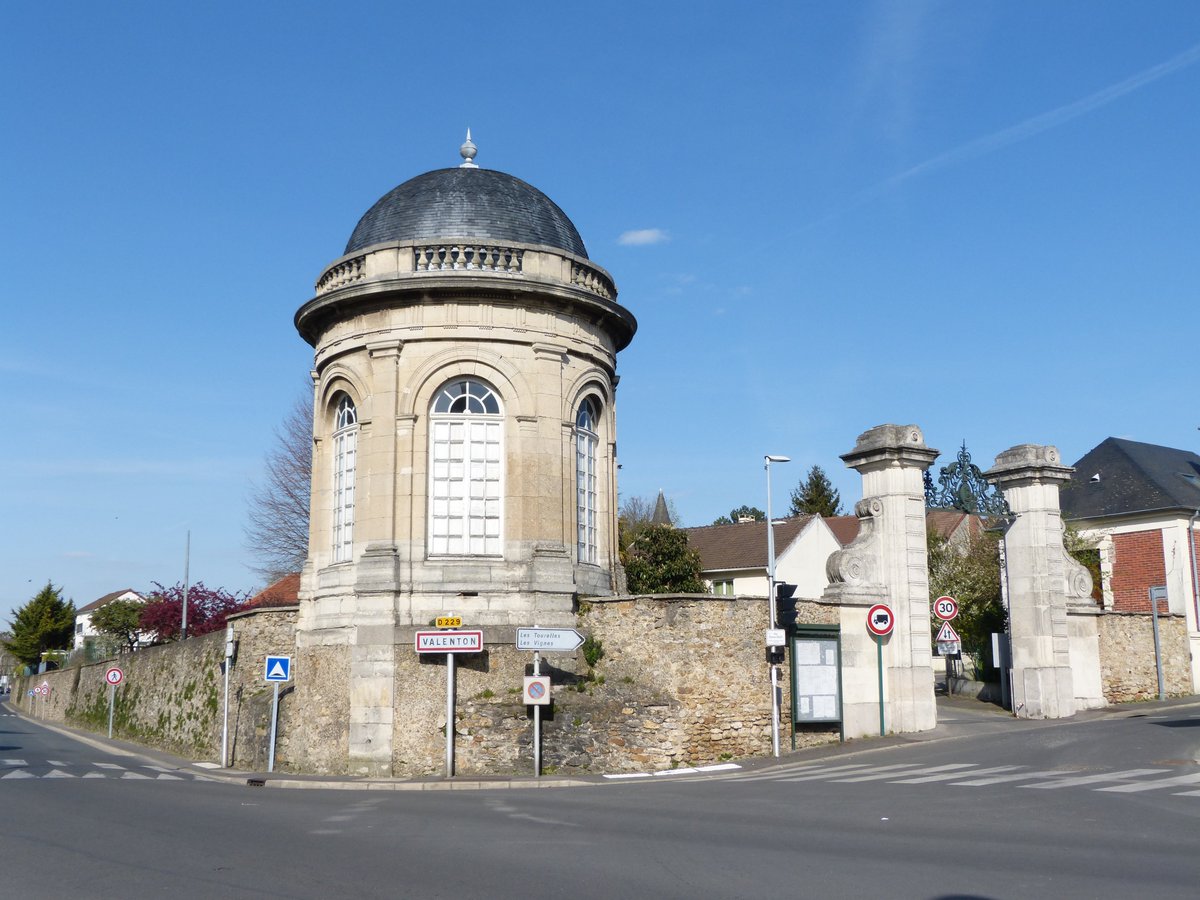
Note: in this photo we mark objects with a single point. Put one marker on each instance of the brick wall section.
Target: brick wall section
(1139, 566)
(1127, 667)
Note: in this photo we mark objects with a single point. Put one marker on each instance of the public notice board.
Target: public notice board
(818, 692)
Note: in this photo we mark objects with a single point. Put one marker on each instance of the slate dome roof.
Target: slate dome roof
(467, 203)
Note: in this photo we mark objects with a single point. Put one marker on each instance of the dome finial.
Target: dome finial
(467, 151)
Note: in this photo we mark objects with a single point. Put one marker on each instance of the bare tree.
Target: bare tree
(277, 517)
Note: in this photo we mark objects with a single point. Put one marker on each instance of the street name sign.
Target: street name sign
(449, 641)
(880, 620)
(552, 640)
(278, 668)
(945, 608)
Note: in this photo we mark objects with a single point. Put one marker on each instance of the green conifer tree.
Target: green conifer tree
(816, 495)
(47, 622)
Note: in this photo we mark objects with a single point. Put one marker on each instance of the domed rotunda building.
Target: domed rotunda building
(464, 457)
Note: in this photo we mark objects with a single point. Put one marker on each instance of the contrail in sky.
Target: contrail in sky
(1021, 131)
(1047, 120)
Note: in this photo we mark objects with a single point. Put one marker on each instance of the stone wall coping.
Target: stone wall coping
(1142, 615)
(247, 613)
(672, 598)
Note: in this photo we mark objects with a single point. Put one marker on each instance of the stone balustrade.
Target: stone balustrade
(465, 257)
(405, 260)
(341, 274)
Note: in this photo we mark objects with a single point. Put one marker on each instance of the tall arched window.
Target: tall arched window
(345, 450)
(586, 440)
(466, 475)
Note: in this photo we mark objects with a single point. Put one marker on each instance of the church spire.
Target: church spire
(662, 515)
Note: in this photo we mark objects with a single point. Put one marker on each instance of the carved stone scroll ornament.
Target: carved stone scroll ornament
(858, 562)
(1079, 579)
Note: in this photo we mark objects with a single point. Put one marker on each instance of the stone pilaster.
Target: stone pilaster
(1039, 580)
(886, 563)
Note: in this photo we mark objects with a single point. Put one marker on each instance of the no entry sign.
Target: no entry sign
(880, 620)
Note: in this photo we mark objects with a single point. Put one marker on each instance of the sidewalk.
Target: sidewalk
(957, 718)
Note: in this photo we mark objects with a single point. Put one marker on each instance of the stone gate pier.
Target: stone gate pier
(1044, 582)
(886, 563)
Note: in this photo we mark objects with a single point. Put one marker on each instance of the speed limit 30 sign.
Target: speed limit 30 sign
(945, 608)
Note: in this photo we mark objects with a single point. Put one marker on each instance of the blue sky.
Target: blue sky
(977, 217)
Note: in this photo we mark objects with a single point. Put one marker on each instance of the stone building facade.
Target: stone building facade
(464, 434)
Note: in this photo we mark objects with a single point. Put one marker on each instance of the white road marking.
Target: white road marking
(95, 775)
(945, 773)
(13, 762)
(1152, 785)
(1094, 779)
(165, 777)
(950, 775)
(136, 775)
(877, 773)
(207, 765)
(55, 773)
(108, 766)
(1000, 779)
(18, 773)
(824, 771)
(56, 762)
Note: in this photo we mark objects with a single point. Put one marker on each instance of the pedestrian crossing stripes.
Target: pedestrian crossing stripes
(18, 769)
(968, 775)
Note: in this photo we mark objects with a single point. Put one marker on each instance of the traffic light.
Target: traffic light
(784, 591)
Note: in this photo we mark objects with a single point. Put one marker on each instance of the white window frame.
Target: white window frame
(466, 471)
(345, 459)
(587, 442)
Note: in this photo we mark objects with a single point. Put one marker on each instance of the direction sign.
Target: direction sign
(945, 608)
(552, 640)
(114, 676)
(947, 635)
(880, 620)
(449, 641)
(278, 668)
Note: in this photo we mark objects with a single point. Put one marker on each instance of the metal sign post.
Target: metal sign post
(113, 676)
(229, 651)
(277, 669)
(449, 643)
(880, 622)
(1157, 595)
(449, 715)
(537, 721)
(537, 687)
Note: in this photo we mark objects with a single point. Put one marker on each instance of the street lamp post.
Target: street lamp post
(768, 459)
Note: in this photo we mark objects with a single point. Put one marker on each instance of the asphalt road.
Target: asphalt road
(1101, 808)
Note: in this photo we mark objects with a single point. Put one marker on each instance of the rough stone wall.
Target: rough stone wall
(172, 694)
(269, 631)
(1127, 656)
(314, 718)
(682, 680)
